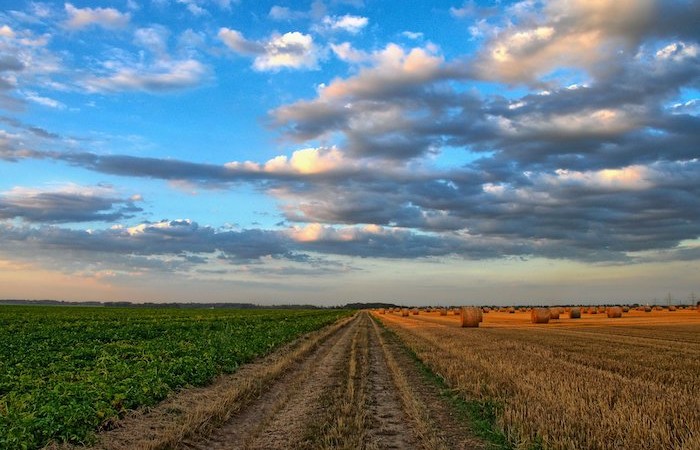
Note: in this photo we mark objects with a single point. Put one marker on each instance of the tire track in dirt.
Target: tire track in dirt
(388, 428)
(279, 417)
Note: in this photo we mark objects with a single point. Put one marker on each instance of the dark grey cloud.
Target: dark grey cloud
(65, 207)
(36, 131)
(181, 238)
(10, 63)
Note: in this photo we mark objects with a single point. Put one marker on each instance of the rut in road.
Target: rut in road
(358, 389)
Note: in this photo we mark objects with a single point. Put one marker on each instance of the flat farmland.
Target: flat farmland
(124, 379)
(594, 382)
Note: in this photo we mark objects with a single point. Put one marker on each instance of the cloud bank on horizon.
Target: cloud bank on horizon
(235, 142)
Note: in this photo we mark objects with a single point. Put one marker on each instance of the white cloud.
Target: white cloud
(678, 51)
(109, 18)
(193, 7)
(44, 101)
(153, 38)
(162, 76)
(346, 52)
(348, 23)
(293, 50)
(466, 10)
(393, 66)
(412, 35)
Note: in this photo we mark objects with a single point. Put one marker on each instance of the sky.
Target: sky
(334, 151)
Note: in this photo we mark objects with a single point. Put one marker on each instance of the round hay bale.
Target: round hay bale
(511, 310)
(486, 310)
(625, 309)
(647, 309)
(539, 315)
(456, 312)
(592, 310)
(404, 312)
(470, 317)
(614, 312)
(416, 311)
(443, 312)
(671, 308)
(382, 311)
(575, 313)
(554, 313)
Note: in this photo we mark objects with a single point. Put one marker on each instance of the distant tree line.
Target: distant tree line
(128, 304)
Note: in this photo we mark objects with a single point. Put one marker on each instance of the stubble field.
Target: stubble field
(594, 382)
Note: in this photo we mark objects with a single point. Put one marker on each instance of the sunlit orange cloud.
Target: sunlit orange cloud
(318, 232)
(629, 178)
(305, 161)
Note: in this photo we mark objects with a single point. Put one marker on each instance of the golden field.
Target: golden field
(593, 383)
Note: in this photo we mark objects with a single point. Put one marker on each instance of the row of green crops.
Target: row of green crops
(65, 372)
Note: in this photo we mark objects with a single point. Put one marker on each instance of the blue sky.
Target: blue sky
(330, 151)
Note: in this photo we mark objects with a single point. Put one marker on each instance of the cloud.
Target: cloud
(6, 32)
(316, 11)
(66, 204)
(415, 35)
(239, 44)
(592, 37)
(305, 162)
(10, 63)
(347, 23)
(161, 76)
(593, 158)
(34, 130)
(109, 18)
(346, 52)
(154, 38)
(44, 101)
(280, 13)
(293, 50)
(164, 246)
(591, 215)
(371, 109)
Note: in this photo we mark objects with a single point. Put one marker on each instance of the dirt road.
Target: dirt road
(350, 387)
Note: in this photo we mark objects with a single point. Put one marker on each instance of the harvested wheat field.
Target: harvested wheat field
(594, 382)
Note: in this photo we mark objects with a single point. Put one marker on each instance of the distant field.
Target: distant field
(66, 372)
(594, 382)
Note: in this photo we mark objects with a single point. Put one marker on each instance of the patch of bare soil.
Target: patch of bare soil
(351, 386)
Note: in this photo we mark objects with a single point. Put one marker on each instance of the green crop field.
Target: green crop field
(66, 372)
